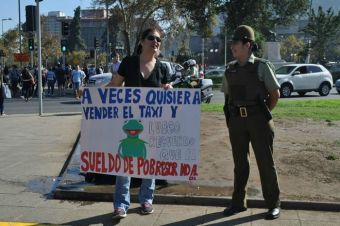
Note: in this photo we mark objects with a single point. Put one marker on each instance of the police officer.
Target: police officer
(251, 91)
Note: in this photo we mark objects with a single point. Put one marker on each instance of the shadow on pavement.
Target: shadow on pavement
(205, 219)
(104, 220)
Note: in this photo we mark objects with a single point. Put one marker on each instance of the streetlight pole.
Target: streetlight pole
(19, 27)
(39, 58)
(108, 57)
(225, 45)
(2, 25)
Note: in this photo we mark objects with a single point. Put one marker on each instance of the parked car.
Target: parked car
(335, 71)
(100, 79)
(214, 73)
(337, 85)
(303, 78)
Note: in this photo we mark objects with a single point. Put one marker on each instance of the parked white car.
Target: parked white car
(214, 73)
(303, 78)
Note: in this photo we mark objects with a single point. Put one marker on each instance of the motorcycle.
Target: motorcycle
(206, 86)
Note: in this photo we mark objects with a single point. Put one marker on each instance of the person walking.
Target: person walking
(77, 78)
(60, 74)
(51, 78)
(27, 83)
(251, 92)
(2, 95)
(143, 70)
(14, 77)
(115, 64)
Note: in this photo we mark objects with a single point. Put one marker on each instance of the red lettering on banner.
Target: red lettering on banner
(128, 166)
(154, 167)
(186, 170)
(96, 162)
(114, 163)
(83, 158)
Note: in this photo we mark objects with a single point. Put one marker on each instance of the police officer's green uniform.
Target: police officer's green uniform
(246, 88)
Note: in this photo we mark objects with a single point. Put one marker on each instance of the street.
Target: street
(219, 98)
(50, 105)
(69, 104)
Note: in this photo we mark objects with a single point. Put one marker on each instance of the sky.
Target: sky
(10, 9)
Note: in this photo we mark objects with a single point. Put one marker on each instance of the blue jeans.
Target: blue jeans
(122, 193)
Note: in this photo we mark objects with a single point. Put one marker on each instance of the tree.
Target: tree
(292, 48)
(76, 57)
(324, 29)
(10, 44)
(75, 41)
(50, 47)
(263, 15)
(200, 15)
(136, 15)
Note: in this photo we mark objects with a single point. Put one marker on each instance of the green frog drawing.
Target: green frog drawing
(132, 146)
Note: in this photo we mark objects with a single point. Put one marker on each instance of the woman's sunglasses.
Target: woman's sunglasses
(152, 38)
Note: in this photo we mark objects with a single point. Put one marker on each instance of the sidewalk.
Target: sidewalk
(33, 151)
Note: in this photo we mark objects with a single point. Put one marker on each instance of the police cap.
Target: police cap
(244, 33)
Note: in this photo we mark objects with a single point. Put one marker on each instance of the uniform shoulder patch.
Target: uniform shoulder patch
(231, 65)
(265, 61)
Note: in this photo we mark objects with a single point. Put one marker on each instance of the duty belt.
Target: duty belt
(244, 111)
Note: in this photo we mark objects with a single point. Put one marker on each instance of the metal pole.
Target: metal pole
(64, 60)
(225, 46)
(19, 27)
(39, 59)
(95, 58)
(107, 37)
(203, 53)
(32, 62)
(2, 36)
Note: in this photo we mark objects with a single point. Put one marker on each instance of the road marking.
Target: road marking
(18, 224)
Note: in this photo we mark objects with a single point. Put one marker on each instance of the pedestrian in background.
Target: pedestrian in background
(14, 77)
(251, 92)
(27, 83)
(143, 70)
(92, 71)
(115, 64)
(2, 95)
(77, 78)
(51, 79)
(60, 75)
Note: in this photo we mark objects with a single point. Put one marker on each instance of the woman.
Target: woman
(2, 96)
(143, 70)
(27, 82)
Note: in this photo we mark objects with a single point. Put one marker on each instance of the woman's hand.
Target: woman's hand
(166, 86)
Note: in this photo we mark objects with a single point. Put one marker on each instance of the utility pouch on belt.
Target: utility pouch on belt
(265, 110)
(226, 110)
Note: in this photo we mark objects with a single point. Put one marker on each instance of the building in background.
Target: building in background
(92, 23)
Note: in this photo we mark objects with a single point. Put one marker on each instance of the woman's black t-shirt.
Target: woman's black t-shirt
(130, 70)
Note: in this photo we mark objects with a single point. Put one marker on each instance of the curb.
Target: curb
(64, 194)
(76, 192)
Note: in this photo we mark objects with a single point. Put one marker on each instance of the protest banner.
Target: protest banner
(141, 132)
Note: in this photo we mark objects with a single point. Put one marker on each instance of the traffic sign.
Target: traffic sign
(21, 57)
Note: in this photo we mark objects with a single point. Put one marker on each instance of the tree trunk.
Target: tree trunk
(127, 42)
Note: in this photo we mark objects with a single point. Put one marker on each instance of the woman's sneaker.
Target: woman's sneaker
(119, 213)
(146, 208)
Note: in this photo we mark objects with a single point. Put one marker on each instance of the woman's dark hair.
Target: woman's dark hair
(25, 73)
(143, 36)
(253, 45)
